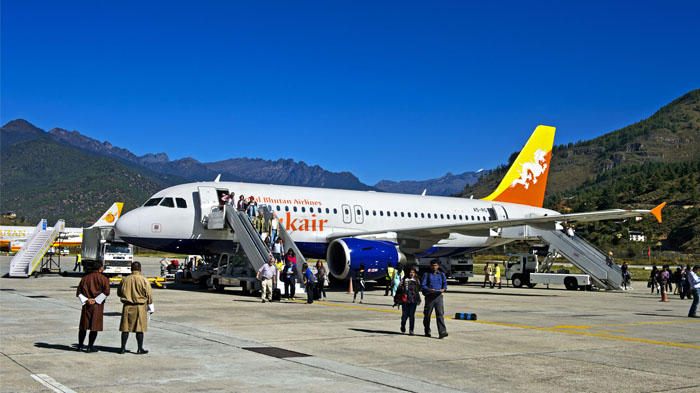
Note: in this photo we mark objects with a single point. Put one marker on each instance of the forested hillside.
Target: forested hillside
(41, 179)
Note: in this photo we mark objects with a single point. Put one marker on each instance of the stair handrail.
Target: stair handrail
(41, 226)
(48, 242)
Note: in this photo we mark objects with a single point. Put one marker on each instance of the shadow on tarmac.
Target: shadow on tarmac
(496, 292)
(74, 347)
(376, 331)
(648, 314)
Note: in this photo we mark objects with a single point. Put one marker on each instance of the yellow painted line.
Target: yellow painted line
(558, 330)
(644, 323)
(571, 327)
(611, 331)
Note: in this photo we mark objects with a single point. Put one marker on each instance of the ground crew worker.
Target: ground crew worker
(137, 298)
(497, 277)
(92, 290)
(390, 271)
(487, 275)
(78, 262)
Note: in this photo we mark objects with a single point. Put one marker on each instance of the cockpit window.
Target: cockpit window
(153, 202)
(181, 203)
(167, 202)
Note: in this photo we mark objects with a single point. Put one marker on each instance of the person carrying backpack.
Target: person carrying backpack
(408, 295)
(434, 284)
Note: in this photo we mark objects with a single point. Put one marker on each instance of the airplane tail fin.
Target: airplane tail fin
(526, 179)
(110, 216)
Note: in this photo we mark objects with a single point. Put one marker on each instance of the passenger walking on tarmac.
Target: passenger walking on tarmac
(433, 286)
(92, 291)
(398, 276)
(309, 281)
(625, 275)
(389, 280)
(137, 302)
(669, 282)
(685, 277)
(411, 287)
(677, 280)
(487, 275)
(359, 283)
(663, 277)
(322, 277)
(653, 277)
(289, 277)
(497, 276)
(694, 281)
(241, 205)
(267, 274)
(78, 262)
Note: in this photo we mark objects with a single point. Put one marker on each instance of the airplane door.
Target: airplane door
(347, 214)
(501, 213)
(208, 198)
(359, 216)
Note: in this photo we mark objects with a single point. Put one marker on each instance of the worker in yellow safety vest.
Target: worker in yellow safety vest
(390, 271)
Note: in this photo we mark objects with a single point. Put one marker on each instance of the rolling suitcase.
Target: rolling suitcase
(276, 295)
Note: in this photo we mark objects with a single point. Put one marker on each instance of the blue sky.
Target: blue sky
(395, 90)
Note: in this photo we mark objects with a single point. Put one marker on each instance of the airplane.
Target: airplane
(14, 237)
(349, 228)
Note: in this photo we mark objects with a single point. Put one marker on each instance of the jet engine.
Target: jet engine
(344, 257)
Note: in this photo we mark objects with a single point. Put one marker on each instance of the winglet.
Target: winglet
(657, 211)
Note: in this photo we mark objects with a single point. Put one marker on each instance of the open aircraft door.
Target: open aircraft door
(208, 198)
(501, 213)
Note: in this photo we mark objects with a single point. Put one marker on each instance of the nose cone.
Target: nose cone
(128, 226)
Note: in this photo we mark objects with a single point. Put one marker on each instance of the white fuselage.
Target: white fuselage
(312, 216)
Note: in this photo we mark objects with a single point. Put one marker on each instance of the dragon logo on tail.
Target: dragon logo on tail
(531, 170)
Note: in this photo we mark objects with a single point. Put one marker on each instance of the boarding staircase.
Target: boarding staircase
(287, 243)
(257, 252)
(30, 255)
(583, 255)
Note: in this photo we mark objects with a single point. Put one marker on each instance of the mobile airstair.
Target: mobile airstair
(29, 257)
(584, 256)
(287, 243)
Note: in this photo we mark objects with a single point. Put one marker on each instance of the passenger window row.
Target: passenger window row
(442, 216)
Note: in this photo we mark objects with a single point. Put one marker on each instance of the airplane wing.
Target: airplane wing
(478, 228)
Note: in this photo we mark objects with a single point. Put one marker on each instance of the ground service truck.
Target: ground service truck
(524, 269)
(100, 244)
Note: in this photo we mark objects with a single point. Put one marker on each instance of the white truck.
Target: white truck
(524, 269)
(101, 245)
(461, 268)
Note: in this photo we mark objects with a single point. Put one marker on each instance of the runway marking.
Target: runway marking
(611, 331)
(623, 324)
(51, 383)
(555, 329)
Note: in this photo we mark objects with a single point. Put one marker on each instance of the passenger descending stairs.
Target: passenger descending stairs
(583, 255)
(256, 251)
(29, 257)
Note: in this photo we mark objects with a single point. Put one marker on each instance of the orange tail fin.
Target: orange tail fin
(526, 179)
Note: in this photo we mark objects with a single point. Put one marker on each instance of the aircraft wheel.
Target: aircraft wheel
(570, 283)
(517, 281)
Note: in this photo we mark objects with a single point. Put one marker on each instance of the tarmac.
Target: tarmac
(526, 340)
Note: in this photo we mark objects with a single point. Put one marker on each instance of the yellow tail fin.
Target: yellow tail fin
(110, 216)
(526, 179)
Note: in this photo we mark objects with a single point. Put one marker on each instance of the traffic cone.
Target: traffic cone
(350, 289)
(663, 296)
